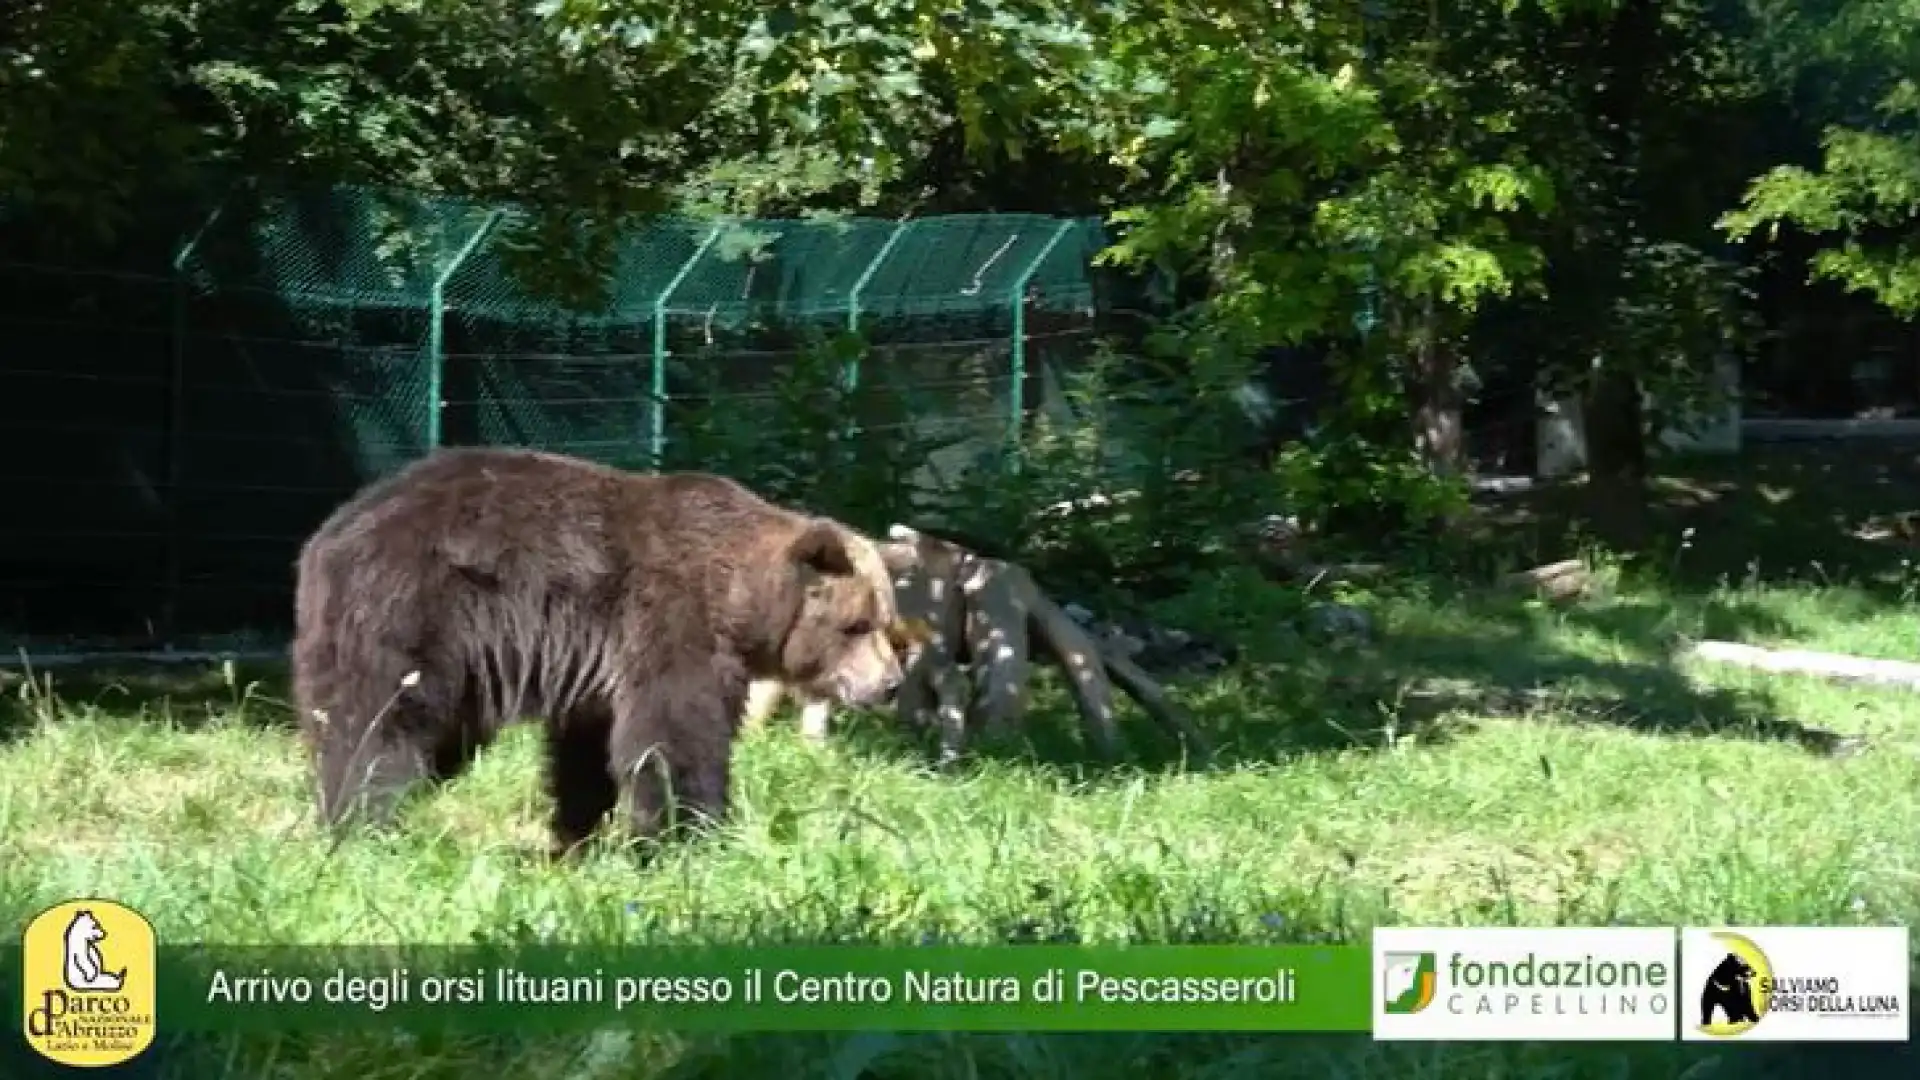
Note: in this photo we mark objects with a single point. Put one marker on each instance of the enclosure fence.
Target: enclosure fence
(174, 427)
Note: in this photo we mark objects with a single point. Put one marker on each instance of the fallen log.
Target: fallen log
(934, 692)
(997, 641)
(1837, 666)
(1153, 698)
(1006, 624)
(1083, 662)
(1557, 582)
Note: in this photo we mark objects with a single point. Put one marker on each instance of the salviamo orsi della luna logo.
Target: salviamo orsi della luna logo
(87, 975)
(1795, 983)
(1495, 983)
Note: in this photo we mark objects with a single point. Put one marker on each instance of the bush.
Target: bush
(1147, 481)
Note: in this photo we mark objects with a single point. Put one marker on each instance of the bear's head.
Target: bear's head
(845, 641)
(85, 927)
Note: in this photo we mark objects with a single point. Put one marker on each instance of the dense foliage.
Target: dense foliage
(1562, 193)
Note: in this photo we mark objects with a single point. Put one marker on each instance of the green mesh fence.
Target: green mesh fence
(187, 420)
(83, 442)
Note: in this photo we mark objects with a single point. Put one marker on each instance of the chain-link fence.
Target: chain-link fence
(175, 428)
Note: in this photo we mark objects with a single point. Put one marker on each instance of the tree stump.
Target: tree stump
(987, 623)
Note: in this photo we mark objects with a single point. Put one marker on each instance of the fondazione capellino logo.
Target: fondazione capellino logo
(88, 974)
(1584, 983)
(1407, 982)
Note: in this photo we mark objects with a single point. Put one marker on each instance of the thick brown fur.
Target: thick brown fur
(764, 696)
(629, 611)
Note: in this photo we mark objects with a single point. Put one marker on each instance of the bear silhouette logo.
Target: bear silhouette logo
(1738, 988)
(89, 983)
(85, 969)
(1729, 990)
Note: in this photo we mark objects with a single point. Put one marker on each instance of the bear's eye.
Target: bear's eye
(860, 629)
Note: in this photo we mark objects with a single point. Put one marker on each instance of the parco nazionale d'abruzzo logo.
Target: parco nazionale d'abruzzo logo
(87, 977)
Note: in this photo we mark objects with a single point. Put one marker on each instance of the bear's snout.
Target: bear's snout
(870, 682)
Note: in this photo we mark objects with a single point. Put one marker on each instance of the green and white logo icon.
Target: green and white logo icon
(1407, 982)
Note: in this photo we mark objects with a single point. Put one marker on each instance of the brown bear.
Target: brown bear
(910, 635)
(478, 586)
(816, 713)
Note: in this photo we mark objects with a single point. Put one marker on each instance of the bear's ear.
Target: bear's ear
(823, 549)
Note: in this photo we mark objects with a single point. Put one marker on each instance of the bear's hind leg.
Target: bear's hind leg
(580, 776)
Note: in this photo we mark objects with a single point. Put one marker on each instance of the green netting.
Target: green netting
(83, 445)
(297, 345)
(717, 308)
(344, 248)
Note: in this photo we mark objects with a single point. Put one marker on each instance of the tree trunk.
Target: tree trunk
(1438, 405)
(1224, 251)
(1616, 457)
(1616, 441)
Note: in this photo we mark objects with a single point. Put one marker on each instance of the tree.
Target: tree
(1865, 193)
(1641, 119)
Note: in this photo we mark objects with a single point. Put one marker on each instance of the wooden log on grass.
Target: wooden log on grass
(1152, 698)
(933, 691)
(1079, 657)
(997, 640)
(1005, 622)
(1558, 582)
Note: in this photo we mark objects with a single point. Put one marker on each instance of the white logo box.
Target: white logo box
(1549, 984)
(1827, 983)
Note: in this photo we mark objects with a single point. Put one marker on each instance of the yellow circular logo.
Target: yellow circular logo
(88, 970)
(1737, 990)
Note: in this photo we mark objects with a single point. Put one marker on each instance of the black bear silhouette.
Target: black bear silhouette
(1729, 989)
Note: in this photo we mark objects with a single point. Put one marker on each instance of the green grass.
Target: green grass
(1486, 761)
(1483, 760)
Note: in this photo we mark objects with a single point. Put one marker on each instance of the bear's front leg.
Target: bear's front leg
(671, 746)
(580, 775)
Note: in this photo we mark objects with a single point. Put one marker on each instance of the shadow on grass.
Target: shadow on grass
(1439, 665)
(1806, 514)
(1780, 513)
(1524, 671)
(189, 696)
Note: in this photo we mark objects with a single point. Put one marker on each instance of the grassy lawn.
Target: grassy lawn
(1483, 760)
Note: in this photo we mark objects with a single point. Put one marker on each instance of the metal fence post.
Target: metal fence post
(657, 435)
(1016, 405)
(437, 328)
(860, 285)
(173, 452)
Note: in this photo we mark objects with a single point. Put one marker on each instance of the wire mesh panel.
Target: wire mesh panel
(527, 371)
(759, 364)
(185, 424)
(936, 303)
(83, 415)
(305, 374)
